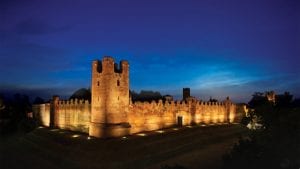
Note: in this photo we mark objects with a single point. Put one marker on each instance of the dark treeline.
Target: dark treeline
(145, 95)
(14, 114)
(82, 94)
(276, 144)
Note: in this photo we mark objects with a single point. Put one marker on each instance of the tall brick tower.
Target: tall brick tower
(110, 98)
(186, 93)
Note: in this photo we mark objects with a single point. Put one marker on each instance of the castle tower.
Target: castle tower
(186, 93)
(110, 98)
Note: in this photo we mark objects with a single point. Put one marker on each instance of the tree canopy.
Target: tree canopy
(276, 144)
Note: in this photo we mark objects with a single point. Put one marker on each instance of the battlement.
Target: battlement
(73, 102)
(108, 65)
(111, 113)
(179, 103)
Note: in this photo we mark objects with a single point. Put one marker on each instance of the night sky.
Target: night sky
(217, 48)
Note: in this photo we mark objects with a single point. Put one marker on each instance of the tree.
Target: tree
(2, 105)
(15, 114)
(38, 100)
(276, 145)
(145, 95)
(82, 93)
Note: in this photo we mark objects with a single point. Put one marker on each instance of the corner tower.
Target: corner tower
(110, 98)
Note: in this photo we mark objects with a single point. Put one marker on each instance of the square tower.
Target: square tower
(110, 98)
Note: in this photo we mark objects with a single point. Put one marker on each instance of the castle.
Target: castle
(111, 113)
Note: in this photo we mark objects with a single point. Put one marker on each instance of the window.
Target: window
(118, 82)
(98, 83)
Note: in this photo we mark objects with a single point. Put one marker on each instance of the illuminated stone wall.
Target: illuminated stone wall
(72, 115)
(152, 116)
(142, 116)
(111, 114)
(42, 113)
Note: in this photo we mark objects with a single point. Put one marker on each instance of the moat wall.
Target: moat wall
(75, 115)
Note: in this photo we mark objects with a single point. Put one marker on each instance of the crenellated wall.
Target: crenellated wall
(111, 114)
(144, 116)
(42, 113)
(72, 114)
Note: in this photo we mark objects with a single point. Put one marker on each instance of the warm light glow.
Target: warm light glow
(75, 135)
(175, 129)
(61, 132)
(54, 130)
(203, 125)
(89, 138)
(40, 127)
(83, 116)
(124, 138)
(142, 134)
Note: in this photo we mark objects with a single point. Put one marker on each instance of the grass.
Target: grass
(192, 147)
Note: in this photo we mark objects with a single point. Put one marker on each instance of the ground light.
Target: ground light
(54, 130)
(142, 134)
(159, 131)
(203, 125)
(175, 129)
(89, 138)
(75, 135)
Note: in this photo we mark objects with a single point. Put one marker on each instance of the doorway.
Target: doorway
(179, 121)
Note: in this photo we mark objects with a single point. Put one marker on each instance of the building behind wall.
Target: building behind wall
(112, 114)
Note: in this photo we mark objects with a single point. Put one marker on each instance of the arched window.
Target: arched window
(98, 83)
(118, 82)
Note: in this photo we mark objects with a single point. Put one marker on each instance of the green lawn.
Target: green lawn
(196, 147)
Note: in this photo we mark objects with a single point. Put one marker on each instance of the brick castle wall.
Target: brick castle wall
(142, 116)
(111, 114)
(72, 114)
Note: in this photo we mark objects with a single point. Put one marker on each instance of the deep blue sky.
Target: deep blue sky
(217, 48)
